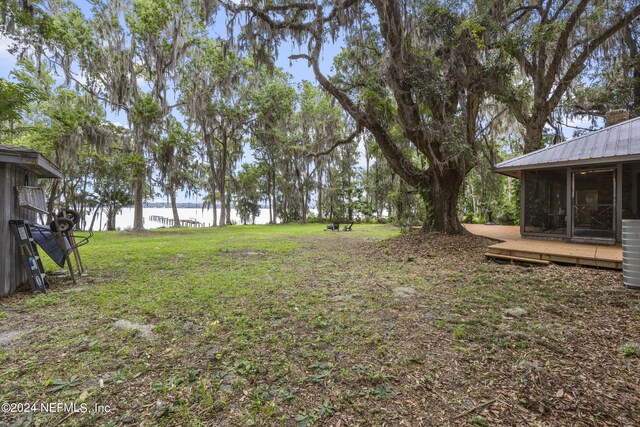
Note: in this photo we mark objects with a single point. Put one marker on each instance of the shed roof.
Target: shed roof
(617, 143)
(29, 159)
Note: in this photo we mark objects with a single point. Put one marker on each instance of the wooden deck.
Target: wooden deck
(503, 233)
(513, 246)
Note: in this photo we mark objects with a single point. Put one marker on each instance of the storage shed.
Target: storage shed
(582, 189)
(19, 166)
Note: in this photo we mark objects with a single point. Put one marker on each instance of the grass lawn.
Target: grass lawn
(291, 325)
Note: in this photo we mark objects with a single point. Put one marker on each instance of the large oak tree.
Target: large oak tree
(416, 79)
(555, 42)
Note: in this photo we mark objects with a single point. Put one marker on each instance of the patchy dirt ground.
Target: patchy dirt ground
(333, 329)
(566, 358)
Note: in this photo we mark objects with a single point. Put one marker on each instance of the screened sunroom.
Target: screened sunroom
(582, 189)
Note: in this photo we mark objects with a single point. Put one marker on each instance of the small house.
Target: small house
(580, 190)
(19, 166)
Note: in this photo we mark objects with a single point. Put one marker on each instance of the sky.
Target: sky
(298, 69)
(7, 61)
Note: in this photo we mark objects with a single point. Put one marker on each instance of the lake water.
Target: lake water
(125, 219)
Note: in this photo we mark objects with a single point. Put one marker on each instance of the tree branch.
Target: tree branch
(578, 65)
(392, 30)
(314, 29)
(563, 40)
(338, 143)
(87, 89)
(300, 56)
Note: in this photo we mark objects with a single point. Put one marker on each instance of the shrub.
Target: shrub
(630, 349)
(468, 218)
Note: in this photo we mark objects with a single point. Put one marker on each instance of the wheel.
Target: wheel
(66, 225)
(39, 284)
(70, 214)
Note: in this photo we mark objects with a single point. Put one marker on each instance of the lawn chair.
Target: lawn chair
(333, 227)
(347, 227)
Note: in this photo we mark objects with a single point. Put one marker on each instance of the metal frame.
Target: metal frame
(523, 206)
(616, 172)
(570, 202)
(28, 203)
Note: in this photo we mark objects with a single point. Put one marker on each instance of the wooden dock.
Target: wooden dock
(170, 222)
(514, 247)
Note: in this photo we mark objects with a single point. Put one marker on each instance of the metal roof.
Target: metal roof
(612, 144)
(29, 159)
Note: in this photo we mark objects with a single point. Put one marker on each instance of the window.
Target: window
(545, 202)
(594, 203)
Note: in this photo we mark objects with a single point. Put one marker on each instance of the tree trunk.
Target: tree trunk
(138, 189)
(273, 190)
(269, 197)
(332, 193)
(305, 204)
(83, 206)
(229, 204)
(350, 199)
(93, 218)
(214, 202)
(174, 208)
(636, 88)
(223, 181)
(52, 198)
(402, 204)
(212, 174)
(111, 219)
(634, 60)
(442, 195)
(367, 198)
(533, 134)
(379, 203)
(319, 189)
(304, 193)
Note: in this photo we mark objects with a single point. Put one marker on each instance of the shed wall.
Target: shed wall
(11, 175)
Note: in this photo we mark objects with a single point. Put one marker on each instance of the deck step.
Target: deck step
(517, 258)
